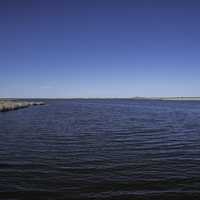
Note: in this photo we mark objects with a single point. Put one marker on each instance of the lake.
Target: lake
(101, 149)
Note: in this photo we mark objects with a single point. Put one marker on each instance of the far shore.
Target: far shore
(36, 100)
(9, 105)
(168, 98)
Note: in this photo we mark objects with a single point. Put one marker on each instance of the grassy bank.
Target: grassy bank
(14, 105)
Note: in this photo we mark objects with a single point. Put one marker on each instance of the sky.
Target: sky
(99, 48)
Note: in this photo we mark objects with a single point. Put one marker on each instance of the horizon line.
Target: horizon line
(135, 97)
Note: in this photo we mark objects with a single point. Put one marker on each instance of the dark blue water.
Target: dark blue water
(101, 149)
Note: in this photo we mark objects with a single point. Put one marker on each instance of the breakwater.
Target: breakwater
(14, 105)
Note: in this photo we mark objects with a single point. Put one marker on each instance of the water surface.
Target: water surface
(101, 149)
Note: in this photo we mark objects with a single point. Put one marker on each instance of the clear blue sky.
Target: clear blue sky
(104, 48)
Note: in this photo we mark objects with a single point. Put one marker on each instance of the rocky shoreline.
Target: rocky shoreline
(15, 105)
